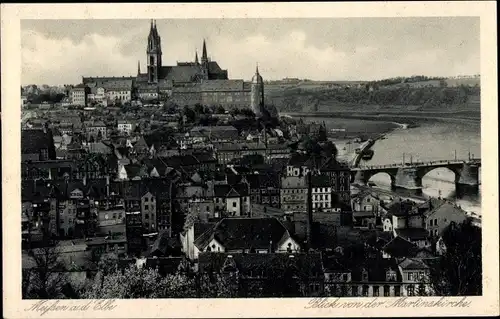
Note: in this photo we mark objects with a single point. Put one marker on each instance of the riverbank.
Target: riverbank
(413, 119)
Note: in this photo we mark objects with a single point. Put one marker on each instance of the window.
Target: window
(397, 291)
(343, 291)
(146, 216)
(146, 199)
(365, 290)
(234, 204)
(390, 275)
(354, 290)
(365, 275)
(410, 290)
(146, 207)
(376, 291)
(345, 277)
(387, 291)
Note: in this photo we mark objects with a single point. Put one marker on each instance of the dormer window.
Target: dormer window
(364, 275)
(390, 275)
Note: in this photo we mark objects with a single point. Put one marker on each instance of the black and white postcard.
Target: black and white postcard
(237, 160)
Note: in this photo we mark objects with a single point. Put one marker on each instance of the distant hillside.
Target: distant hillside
(408, 96)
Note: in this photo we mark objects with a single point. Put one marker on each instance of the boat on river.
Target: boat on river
(367, 155)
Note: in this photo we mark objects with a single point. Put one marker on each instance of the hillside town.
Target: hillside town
(180, 182)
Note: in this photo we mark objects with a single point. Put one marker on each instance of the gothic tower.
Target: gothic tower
(196, 58)
(257, 94)
(153, 54)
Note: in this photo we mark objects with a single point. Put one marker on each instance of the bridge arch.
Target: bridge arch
(453, 171)
(390, 178)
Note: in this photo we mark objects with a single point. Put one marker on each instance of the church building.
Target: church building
(187, 83)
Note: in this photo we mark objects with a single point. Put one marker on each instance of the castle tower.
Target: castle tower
(257, 94)
(153, 52)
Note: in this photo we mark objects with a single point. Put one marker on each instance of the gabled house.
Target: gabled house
(399, 247)
(232, 200)
(415, 277)
(240, 235)
(263, 275)
(371, 278)
(264, 189)
(440, 214)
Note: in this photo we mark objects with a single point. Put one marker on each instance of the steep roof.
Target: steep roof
(305, 264)
(181, 73)
(227, 190)
(446, 209)
(33, 141)
(400, 247)
(413, 233)
(222, 85)
(413, 263)
(244, 233)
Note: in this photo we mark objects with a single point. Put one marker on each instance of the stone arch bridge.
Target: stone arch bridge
(410, 175)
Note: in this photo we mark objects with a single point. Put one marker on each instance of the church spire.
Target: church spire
(257, 68)
(204, 56)
(196, 57)
(138, 67)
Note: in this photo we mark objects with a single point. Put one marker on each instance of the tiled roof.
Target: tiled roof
(222, 85)
(118, 85)
(400, 247)
(32, 141)
(215, 132)
(413, 233)
(400, 207)
(235, 190)
(183, 73)
(244, 233)
(164, 243)
(305, 264)
(178, 161)
(413, 263)
(446, 209)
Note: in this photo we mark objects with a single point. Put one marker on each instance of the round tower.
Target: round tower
(257, 93)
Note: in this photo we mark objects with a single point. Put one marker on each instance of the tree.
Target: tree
(459, 270)
(133, 282)
(199, 109)
(234, 111)
(220, 110)
(44, 279)
(247, 112)
(189, 114)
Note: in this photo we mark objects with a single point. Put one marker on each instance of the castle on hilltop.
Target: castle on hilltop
(187, 83)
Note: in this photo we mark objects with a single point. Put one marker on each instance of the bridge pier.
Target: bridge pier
(469, 175)
(408, 178)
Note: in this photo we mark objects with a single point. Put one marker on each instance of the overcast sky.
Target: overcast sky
(62, 51)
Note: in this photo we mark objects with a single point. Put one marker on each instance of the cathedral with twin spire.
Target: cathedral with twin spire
(200, 81)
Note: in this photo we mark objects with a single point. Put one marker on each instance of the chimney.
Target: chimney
(309, 210)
